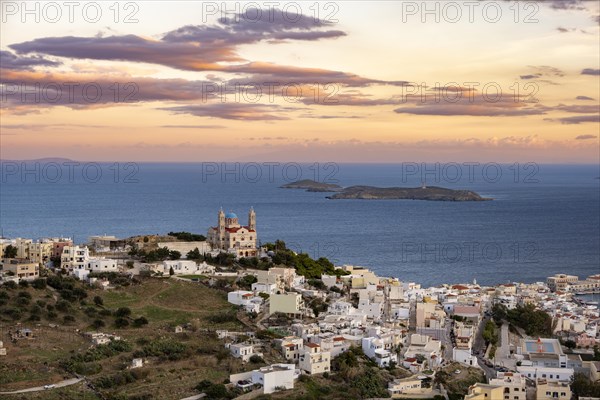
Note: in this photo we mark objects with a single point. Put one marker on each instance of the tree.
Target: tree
(140, 322)
(10, 251)
(97, 324)
(247, 281)
(174, 255)
(121, 323)
(194, 254)
(217, 391)
(10, 285)
(187, 236)
(39, 284)
(122, 312)
(171, 271)
(583, 387)
(256, 359)
(98, 301)
(570, 344)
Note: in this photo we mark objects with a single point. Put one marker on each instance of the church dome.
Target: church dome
(230, 215)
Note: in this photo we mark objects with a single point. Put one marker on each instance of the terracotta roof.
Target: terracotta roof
(313, 345)
(460, 287)
(338, 339)
(234, 230)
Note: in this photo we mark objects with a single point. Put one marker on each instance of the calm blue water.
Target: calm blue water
(531, 229)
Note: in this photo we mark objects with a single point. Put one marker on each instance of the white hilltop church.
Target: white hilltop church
(232, 237)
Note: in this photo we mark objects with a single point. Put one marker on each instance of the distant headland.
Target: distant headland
(431, 193)
(313, 186)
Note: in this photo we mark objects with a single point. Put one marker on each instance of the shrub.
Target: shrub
(123, 312)
(35, 309)
(51, 315)
(23, 283)
(165, 348)
(9, 285)
(140, 322)
(23, 301)
(68, 319)
(217, 391)
(121, 323)
(14, 313)
(98, 301)
(105, 313)
(86, 368)
(98, 323)
(39, 284)
(63, 306)
(223, 318)
(102, 351)
(256, 359)
(90, 312)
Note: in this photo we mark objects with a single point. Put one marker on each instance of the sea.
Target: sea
(544, 219)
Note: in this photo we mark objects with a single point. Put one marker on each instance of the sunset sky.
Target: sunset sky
(364, 58)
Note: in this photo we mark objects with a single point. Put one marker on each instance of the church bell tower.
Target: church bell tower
(252, 219)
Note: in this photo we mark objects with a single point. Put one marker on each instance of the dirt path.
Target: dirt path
(64, 383)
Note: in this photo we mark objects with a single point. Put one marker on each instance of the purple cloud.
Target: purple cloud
(590, 71)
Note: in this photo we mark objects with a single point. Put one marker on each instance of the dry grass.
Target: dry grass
(164, 303)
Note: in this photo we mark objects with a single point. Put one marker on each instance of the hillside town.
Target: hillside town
(528, 340)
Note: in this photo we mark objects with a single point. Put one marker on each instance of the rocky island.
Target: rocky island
(432, 193)
(313, 186)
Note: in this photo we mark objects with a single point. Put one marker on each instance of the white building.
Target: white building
(102, 265)
(374, 348)
(187, 267)
(334, 344)
(243, 351)
(340, 308)
(291, 348)
(271, 378)
(544, 358)
(425, 346)
(74, 257)
(269, 288)
(248, 300)
(313, 360)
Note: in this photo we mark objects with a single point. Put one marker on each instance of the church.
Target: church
(232, 237)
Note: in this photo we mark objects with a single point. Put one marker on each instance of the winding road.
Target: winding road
(64, 383)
